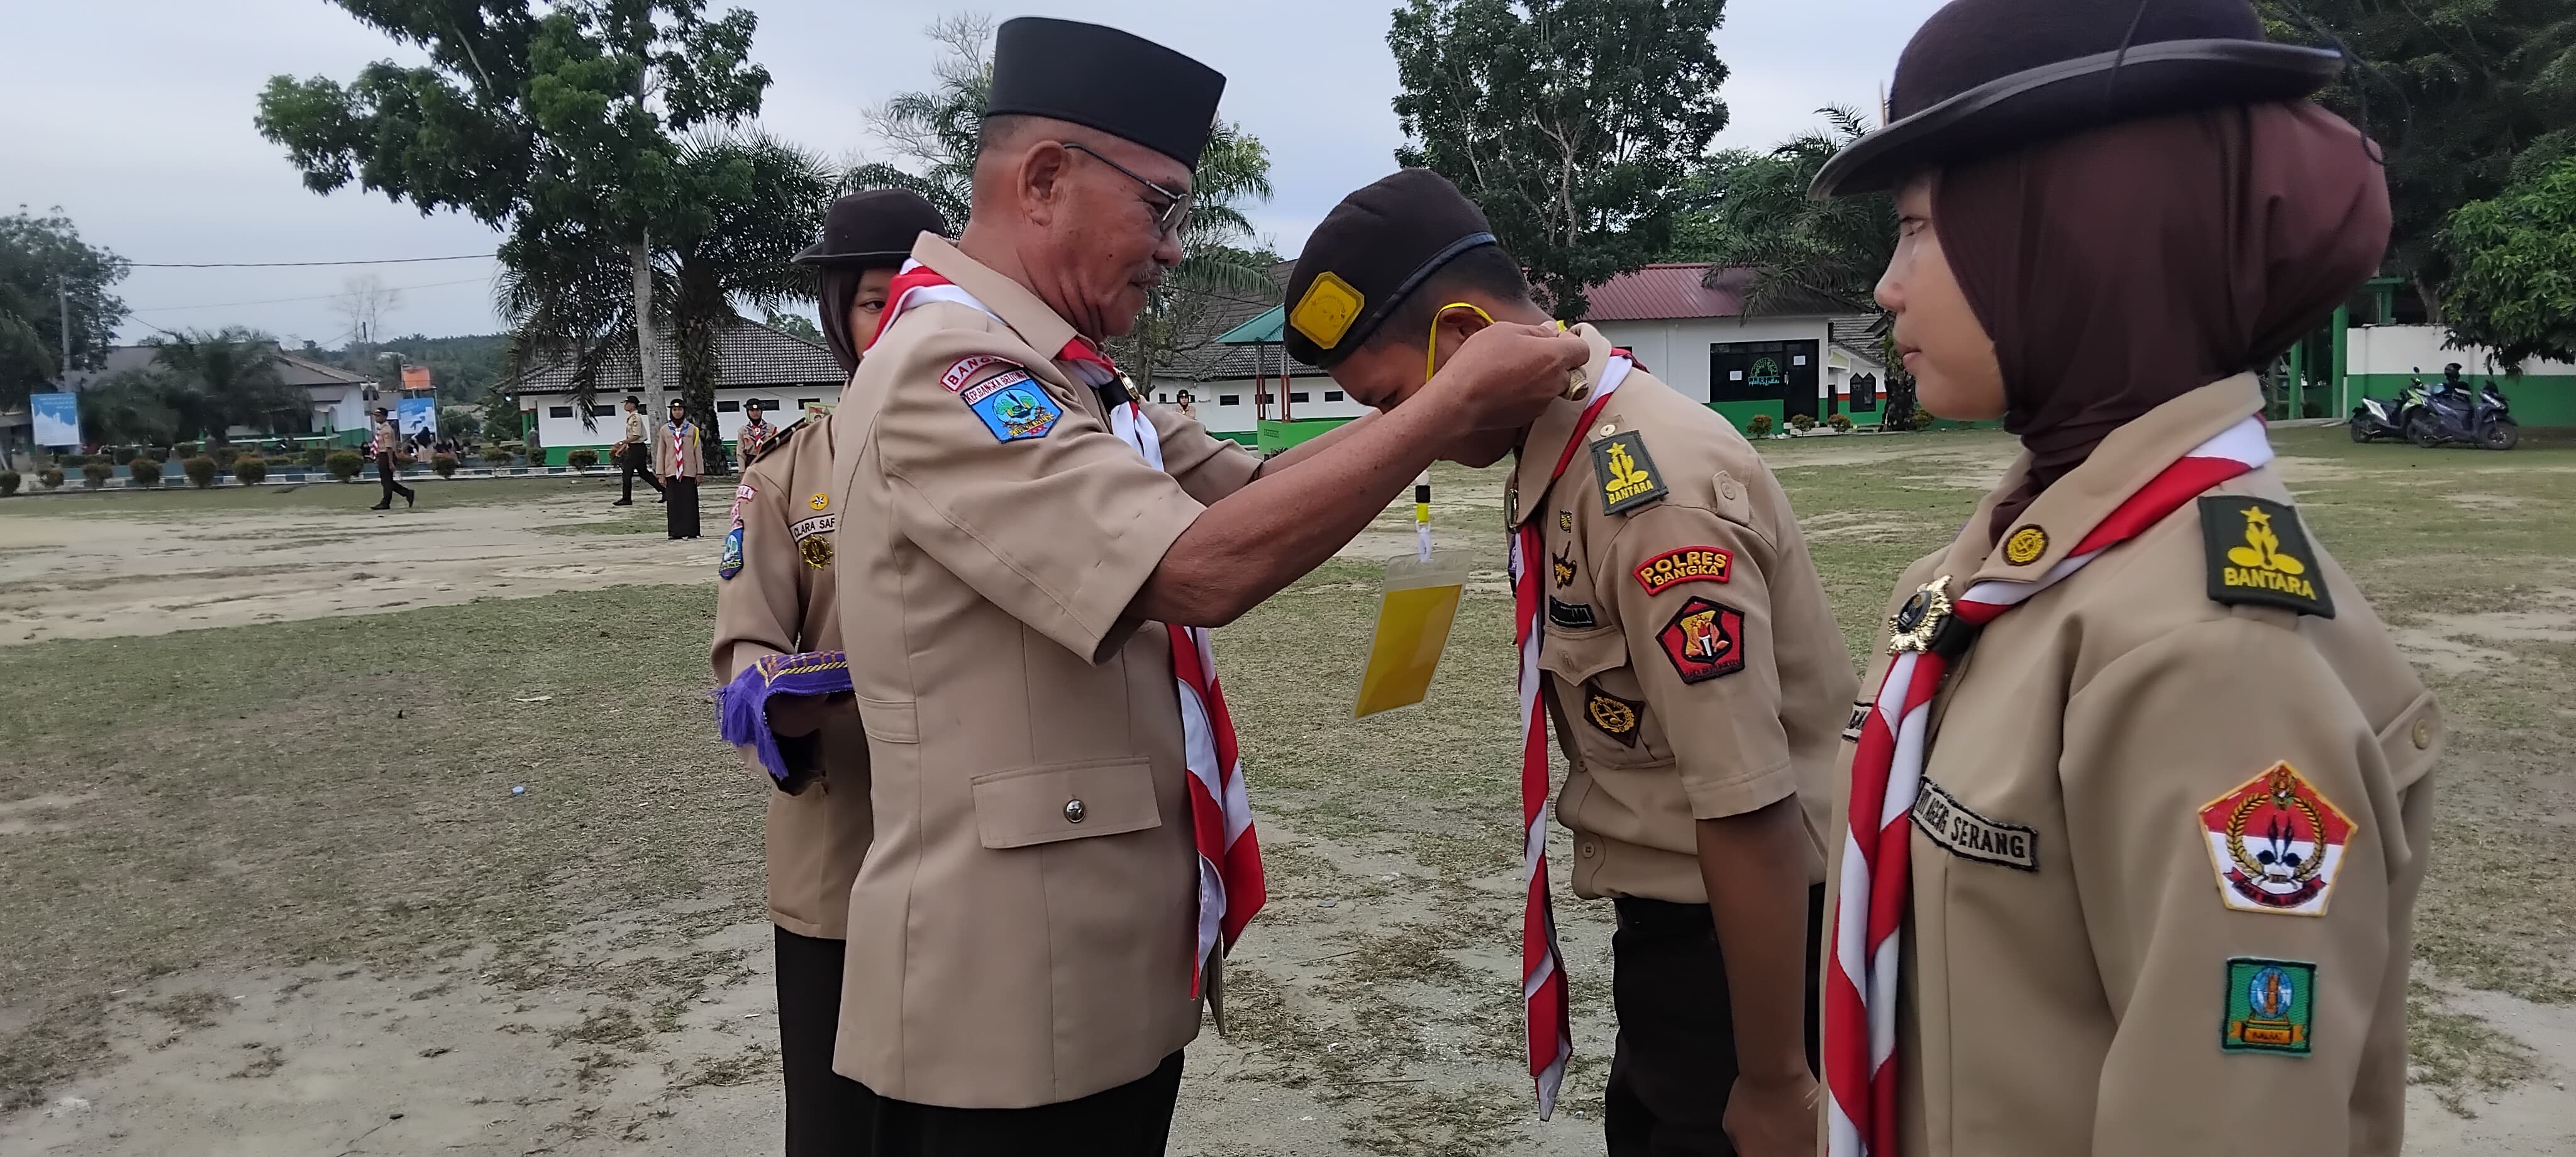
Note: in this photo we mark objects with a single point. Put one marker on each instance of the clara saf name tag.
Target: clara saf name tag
(1965, 834)
(2259, 554)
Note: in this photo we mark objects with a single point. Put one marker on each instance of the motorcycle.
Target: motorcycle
(2375, 418)
(2453, 414)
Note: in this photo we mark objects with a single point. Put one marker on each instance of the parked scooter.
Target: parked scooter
(2374, 418)
(2451, 413)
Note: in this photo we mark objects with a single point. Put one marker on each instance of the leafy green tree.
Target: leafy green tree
(794, 323)
(933, 133)
(2513, 288)
(2457, 90)
(39, 258)
(200, 384)
(552, 124)
(1572, 123)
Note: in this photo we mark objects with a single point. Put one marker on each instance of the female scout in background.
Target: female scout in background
(778, 597)
(2149, 890)
(679, 458)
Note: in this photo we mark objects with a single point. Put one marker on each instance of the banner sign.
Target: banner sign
(57, 419)
(415, 378)
(414, 415)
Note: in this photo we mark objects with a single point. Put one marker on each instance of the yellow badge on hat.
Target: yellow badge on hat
(1327, 310)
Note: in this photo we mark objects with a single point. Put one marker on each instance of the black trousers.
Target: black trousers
(827, 1113)
(1132, 1120)
(637, 463)
(385, 476)
(1675, 1061)
(680, 507)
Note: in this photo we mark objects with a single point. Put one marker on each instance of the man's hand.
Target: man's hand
(1505, 374)
(1773, 1116)
(794, 715)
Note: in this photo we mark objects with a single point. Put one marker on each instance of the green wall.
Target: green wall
(2538, 400)
(1742, 412)
(1275, 436)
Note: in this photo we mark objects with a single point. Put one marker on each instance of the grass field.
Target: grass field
(234, 854)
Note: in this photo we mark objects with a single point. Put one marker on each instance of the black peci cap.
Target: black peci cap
(876, 227)
(1116, 82)
(1988, 76)
(1380, 244)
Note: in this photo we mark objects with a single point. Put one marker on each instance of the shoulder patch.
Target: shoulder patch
(730, 564)
(2259, 554)
(1625, 473)
(1571, 616)
(1013, 406)
(741, 494)
(966, 368)
(2276, 843)
(1611, 715)
(1961, 832)
(1690, 564)
(1704, 640)
(2271, 1005)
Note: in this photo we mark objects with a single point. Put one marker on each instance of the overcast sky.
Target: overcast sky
(134, 116)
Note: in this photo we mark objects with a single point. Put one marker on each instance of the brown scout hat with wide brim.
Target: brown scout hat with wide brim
(876, 227)
(1986, 76)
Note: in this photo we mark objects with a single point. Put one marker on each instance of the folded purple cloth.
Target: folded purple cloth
(744, 703)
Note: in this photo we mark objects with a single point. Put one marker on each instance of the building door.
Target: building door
(1765, 371)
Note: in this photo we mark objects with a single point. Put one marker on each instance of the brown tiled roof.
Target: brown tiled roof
(747, 354)
(1666, 292)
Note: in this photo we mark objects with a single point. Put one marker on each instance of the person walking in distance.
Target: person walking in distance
(385, 445)
(679, 457)
(2139, 806)
(1679, 639)
(780, 596)
(1029, 558)
(634, 456)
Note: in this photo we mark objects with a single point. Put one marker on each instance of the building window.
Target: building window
(1229, 399)
(1332, 395)
(603, 411)
(558, 411)
(1164, 398)
(728, 407)
(1296, 396)
(801, 403)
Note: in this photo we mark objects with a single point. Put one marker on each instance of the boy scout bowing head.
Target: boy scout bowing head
(1028, 558)
(2138, 879)
(1695, 675)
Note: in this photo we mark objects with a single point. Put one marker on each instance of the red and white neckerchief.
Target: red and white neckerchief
(1543, 995)
(1231, 888)
(1887, 772)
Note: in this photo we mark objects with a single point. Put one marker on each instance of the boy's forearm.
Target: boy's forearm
(1754, 866)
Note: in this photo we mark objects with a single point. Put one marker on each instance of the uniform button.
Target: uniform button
(1589, 850)
(2423, 734)
(1073, 812)
(1609, 428)
(1727, 492)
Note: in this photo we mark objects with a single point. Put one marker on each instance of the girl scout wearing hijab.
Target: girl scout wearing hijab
(779, 597)
(2137, 812)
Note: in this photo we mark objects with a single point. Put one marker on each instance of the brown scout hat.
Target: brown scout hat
(1986, 76)
(876, 227)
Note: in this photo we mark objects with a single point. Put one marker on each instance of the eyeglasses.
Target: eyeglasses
(1170, 216)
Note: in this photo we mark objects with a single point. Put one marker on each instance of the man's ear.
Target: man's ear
(1462, 323)
(1042, 179)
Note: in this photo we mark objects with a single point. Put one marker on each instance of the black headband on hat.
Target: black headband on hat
(1105, 79)
(1373, 250)
(1988, 76)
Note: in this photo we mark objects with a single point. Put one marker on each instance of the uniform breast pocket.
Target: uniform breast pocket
(1605, 709)
(1065, 801)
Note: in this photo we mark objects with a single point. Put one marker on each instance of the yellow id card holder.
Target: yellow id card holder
(1417, 604)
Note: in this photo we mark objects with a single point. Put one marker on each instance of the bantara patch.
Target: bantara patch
(1690, 564)
(2271, 1005)
(1965, 834)
(1611, 715)
(1571, 616)
(1626, 473)
(1704, 640)
(2258, 553)
(2276, 843)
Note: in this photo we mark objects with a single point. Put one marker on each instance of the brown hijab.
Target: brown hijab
(2124, 267)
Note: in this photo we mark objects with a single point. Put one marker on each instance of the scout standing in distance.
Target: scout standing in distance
(2139, 806)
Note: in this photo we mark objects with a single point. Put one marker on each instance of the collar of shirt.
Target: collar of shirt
(2066, 511)
(1009, 300)
(1547, 437)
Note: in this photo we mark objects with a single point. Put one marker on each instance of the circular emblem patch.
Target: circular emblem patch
(2025, 546)
(818, 502)
(817, 551)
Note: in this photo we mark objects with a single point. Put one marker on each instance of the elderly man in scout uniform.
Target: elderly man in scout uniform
(384, 444)
(2139, 805)
(778, 598)
(1690, 662)
(1029, 557)
(633, 454)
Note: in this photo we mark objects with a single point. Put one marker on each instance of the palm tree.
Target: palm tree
(200, 385)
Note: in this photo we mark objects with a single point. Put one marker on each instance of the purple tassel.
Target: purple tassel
(743, 705)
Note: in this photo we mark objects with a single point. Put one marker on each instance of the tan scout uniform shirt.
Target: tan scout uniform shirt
(783, 601)
(2076, 978)
(673, 459)
(634, 430)
(1694, 670)
(1033, 873)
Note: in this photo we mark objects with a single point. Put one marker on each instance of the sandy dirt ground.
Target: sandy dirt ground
(336, 1062)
